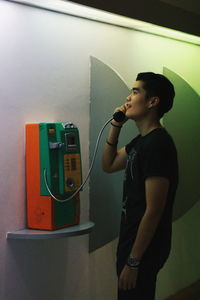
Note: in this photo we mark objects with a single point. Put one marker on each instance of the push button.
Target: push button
(70, 182)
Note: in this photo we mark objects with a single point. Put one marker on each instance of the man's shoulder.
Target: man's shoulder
(158, 138)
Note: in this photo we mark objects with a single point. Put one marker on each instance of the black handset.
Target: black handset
(119, 116)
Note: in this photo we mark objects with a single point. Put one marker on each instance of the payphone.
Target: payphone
(53, 173)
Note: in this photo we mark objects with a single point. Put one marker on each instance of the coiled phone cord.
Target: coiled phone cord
(91, 166)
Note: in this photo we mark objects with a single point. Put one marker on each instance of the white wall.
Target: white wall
(45, 76)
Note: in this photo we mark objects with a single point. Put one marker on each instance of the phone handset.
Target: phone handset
(119, 116)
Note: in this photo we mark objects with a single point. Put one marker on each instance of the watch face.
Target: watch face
(133, 262)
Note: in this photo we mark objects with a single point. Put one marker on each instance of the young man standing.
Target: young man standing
(150, 182)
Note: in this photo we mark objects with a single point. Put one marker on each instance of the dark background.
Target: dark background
(182, 15)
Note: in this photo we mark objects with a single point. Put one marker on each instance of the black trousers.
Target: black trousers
(145, 285)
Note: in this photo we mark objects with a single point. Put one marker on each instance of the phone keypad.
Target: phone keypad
(67, 164)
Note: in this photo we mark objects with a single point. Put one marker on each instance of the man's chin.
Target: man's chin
(130, 116)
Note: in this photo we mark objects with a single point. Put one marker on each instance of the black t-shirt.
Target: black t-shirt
(151, 155)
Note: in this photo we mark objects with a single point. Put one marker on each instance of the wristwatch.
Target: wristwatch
(132, 262)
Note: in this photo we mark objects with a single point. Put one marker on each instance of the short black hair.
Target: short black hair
(160, 86)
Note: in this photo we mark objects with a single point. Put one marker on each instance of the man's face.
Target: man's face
(137, 103)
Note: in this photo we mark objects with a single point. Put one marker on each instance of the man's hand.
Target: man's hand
(128, 278)
(123, 109)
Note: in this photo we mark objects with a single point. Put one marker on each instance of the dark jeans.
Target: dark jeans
(145, 286)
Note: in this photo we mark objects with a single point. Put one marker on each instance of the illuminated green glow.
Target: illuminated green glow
(183, 124)
(109, 18)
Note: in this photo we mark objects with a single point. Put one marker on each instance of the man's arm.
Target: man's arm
(113, 160)
(156, 195)
(156, 190)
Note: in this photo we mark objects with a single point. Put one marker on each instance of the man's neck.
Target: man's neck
(146, 126)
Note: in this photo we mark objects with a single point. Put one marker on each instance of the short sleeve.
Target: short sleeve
(155, 159)
(129, 146)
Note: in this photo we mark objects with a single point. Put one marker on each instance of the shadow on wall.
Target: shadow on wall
(108, 91)
(35, 265)
(191, 292)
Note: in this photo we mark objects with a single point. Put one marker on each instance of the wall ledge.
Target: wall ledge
(30, 234)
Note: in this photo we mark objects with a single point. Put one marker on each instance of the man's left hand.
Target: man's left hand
(128, 278)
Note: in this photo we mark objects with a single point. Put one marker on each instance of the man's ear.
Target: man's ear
(154, 101)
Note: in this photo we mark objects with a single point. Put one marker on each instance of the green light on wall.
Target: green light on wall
(183, 124)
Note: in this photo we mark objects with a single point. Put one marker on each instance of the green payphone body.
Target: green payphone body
(53, 173)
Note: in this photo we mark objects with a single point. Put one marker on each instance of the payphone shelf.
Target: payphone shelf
(33, 234)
